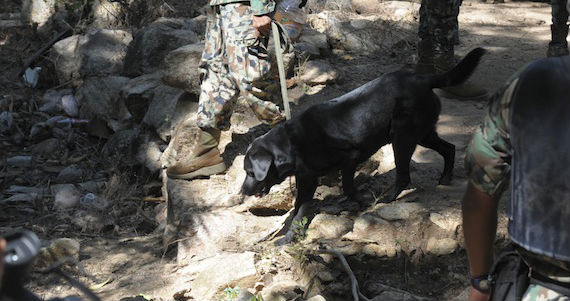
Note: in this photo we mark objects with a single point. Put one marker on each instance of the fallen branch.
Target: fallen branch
(356, 294)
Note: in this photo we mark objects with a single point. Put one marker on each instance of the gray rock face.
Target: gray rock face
(169, 107)
(138, 94)
(99, 97)
(210, 232)
(98, 53)
(151, 44)
(181, 68)
(104, 52)
(121, 148)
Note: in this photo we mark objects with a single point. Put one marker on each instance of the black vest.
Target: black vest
(539, 215)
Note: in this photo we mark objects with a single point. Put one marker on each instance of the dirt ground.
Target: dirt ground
(130, 257)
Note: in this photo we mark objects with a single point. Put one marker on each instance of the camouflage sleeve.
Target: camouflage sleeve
(262, 7)
(488, 155)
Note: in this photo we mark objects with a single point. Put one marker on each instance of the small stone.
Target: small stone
(317, 298)
(70, 174)
(66, 196)
(20, 161)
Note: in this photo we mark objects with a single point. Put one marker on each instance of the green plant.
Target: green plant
(399, 241)
(231, 293)
(299, 253)
(257, 297)
(300, 228)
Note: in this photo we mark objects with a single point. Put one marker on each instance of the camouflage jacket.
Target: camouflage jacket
(488, 157)
(259, 7)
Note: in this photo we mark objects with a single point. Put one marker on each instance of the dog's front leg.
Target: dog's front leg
(348, 179)
(306, 186)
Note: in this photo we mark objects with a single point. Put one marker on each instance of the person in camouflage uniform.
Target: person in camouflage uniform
(519, 142)
(558, 45)
(438, 33)
(235, 59)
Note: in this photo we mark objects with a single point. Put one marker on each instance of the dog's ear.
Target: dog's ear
(284, 162)
(260, 164)
(283, 153)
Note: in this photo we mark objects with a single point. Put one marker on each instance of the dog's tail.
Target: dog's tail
(459, 73)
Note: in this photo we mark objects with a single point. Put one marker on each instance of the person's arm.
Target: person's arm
(488, 167)
(479, 226)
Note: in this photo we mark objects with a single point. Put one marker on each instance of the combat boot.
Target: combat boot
(425, 63)
(468, 90)
(203, 159)
(558, 46)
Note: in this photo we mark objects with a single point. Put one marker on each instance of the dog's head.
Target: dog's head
(268, 161)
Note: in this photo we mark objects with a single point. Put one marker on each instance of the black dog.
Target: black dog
(398, 108)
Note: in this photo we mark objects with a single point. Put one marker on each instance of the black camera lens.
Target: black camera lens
(21, 248)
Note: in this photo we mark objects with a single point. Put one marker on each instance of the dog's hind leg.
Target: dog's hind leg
(403, 145)
(446, 150)
(306, 186)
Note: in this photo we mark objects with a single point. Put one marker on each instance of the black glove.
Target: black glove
(303, 3)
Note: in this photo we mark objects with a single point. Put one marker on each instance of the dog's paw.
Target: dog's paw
(285, 240)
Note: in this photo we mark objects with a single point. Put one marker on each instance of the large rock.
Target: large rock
(442, 246)
(398, 210)
(122, 147)
(152, 43)
(100, 99)
(158, 106)
(326, 226)
(235, 270)
(362, 38)
(282, 291)
(319, 72)
(314, 43)
(181, 68)
(369, 228)
(138, 93)
(107, 14)
(98, 53)
(37, 13)
(203, 232)
(169, 107)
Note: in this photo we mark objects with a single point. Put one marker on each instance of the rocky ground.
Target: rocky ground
(82, 156)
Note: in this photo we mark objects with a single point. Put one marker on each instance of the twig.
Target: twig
(44, 48)
(356, 294)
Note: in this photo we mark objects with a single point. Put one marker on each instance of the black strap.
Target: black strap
(557, 286)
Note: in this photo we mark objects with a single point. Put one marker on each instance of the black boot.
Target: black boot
(425, 63)
(558, 46)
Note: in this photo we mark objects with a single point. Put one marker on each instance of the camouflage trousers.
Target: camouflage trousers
(560, 12)
(234, 60)
(439, 28)
(541, 293)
